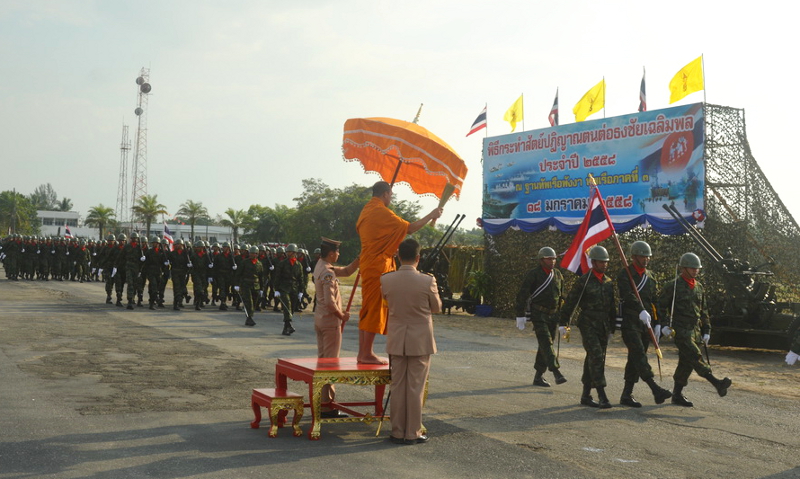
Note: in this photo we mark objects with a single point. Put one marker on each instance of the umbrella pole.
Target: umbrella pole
(396, 171)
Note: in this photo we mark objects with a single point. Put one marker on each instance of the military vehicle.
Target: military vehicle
(746, 311)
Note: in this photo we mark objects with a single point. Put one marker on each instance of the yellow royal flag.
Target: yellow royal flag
(514, 114)
(592, 101)
(688, 80)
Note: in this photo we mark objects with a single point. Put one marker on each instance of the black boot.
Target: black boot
(119, 302)
(196, 305)
(152, 305)
(721, 385)
(602, 399)
(223, 307)
(108, 299)
(130, 304)
(659, 394)
(586, 397)
(287, 328)
(627, 398)
(249, 322)
(175, 303)
(538, 380)
(560, 379)
(679, 399)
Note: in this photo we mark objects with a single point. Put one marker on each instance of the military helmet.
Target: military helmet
(155, 239)
(641, 248)
(111, 238)
(317, 251)
(226, 245)
(134, 235)
(199, 244)
(121, 237)
(261, 247)
(546, 252)
(291, 248)
(690, 260)
(236, 246)
(598, 253)
(179, 242)
(82, 242)
(164, 241)
(253, 250)
(280, 250)
(215, 245)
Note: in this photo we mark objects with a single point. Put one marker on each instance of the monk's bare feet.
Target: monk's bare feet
(372, 359)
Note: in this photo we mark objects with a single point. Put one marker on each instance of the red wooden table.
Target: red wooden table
(316, 372)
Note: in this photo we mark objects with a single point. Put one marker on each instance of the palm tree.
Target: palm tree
(100, 216)
(237, 218)
(192, 212)
(147, 208)
(64, 205)
(12, 210)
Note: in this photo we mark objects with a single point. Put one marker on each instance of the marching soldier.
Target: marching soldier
(289, 286)
(107, 264)
(540, 296)
(200, 262)
(636, 324)
(132, 258)
(81, 261)
(685, 298)
(594, 294)
(223, 274)
(248, 282)
(165, 273)
(180, 264)
(152, 271)
(118, 268)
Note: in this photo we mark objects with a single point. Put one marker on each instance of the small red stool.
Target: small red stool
(277, 400)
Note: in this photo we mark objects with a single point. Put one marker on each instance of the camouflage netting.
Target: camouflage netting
(744, 214)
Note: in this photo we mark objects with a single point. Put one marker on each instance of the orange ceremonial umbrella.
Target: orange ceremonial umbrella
(403, 152)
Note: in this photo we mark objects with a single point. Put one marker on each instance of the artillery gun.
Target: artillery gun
(747, 312)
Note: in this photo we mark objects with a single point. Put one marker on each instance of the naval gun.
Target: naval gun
(747, 313)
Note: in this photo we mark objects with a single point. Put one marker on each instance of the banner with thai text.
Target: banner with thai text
(640, 162)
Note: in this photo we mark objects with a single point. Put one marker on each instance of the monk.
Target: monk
(381, 232)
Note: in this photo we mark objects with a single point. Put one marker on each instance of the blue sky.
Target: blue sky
(250, 97)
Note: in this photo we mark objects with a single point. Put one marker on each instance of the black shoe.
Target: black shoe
(721, 385)
(333, 414)
(223, 307)
(560, 379)
(161, 304)
(538, 380)
(197, 306)
(119, 303)
(602, 399)
(249, 322)
(130, 305)
(629, 400)
(660, 395)
(680, 400)
(108, 300)
(589, 401)
(397, 440)
(288, 329)
(152, 305)
(420, 440)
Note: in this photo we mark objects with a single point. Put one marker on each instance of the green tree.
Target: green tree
(192, 212)
(100, 216)
(265, 224)
(64, 205)
(44, 197)
(235, 220)
(147, 208)
(17, 214)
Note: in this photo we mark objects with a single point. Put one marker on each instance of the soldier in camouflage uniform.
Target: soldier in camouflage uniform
(594, 294)
(636, 324)
(223, 274)
(692, 327)
(200, 262)
(247, 281)
(179, 262)
(81, 259)
(107, 264)
(132, 259)
(289, 286)
(155, 259)
(280, 255)
(540, 296)
(794, 349)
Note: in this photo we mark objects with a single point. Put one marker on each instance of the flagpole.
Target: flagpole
(522, 104)
(703, 70)
(486, 133)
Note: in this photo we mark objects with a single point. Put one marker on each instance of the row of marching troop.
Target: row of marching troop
(250, 277)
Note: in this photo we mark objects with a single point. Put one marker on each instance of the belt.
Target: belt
(544, 310)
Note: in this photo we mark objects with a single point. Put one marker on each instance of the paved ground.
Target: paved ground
(91, 390)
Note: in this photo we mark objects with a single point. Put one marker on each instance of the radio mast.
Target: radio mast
(122, 188)
(139, 169)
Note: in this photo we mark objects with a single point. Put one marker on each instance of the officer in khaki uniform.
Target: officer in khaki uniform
(329, 317)
(412, 298)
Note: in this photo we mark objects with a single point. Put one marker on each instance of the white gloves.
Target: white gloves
(189, 264)
(277, 294)
(113, 272)
(521, 322)
(299, 296)
(260, 293)
(23, 250)
(94, 254)
(210, 265)
(210, 279)
(644, 316)
(143, 259)
(166, 263)
(271, 267)
(562, 330)
(308, 269)
(657, 332)
(38, 251)
(52, 251)
(666, 332)
(94, 270)
(236, 288)
(705, 338)
(791, 357)
(67, 252)
(100, 271)
(234, 267)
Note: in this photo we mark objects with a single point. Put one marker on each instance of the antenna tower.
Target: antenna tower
(122, 188)
(139, 169)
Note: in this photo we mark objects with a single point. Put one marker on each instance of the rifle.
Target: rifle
(430, 259)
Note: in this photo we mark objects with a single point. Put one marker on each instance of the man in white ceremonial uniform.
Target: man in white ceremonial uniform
(412, 298)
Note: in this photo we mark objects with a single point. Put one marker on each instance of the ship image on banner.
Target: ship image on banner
(538, 179)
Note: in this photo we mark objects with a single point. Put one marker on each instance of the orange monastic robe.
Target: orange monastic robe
(381, 232)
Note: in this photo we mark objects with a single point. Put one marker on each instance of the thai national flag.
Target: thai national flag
(479, 123)
(168, 236)
(67, 232)
(595, 228)
(553, 116)
(642, 97)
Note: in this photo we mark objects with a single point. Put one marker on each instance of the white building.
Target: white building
(55, 223)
